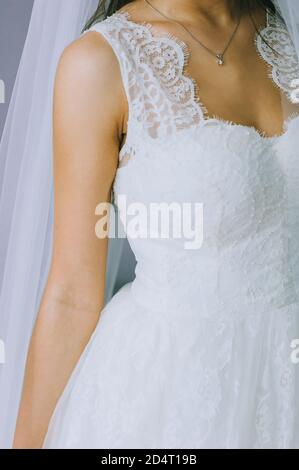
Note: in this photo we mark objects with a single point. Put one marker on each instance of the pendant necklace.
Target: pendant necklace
(218, 55)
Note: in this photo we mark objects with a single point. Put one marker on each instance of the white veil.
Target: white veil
(26, 208)
(26, 182)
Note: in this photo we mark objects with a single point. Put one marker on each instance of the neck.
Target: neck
(217, 11)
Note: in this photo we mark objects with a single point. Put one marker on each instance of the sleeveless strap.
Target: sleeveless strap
(111, 29)
(275, 46)
(162, 97)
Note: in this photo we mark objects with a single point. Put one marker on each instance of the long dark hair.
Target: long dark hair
(102, 11)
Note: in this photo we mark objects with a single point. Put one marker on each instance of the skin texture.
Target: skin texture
(90, 115)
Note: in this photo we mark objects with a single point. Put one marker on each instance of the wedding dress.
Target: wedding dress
(196, 351)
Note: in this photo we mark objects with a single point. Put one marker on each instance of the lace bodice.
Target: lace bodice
(175, 152)
(160, 93)
(195, 352)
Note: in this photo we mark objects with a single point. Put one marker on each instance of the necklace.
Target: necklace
(218, 55)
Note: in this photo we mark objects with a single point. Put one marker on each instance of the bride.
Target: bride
(172, 101)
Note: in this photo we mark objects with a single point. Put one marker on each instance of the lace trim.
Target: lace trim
(276, 48)
(185, 89)
(184, 76)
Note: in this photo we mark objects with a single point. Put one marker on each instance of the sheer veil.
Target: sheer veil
(26, 204)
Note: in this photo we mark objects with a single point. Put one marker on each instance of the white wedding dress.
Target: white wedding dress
(196, 351)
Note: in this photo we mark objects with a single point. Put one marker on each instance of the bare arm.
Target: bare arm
(88, 117)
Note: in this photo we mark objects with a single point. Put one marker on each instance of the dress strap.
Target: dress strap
(275, 46)
(112, 31)
(162, 98)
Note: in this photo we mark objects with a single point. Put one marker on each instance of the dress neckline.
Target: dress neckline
(179, 44)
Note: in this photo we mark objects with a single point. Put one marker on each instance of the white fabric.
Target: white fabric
(195, 352)
(25, 171)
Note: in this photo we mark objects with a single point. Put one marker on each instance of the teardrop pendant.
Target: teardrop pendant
(220, 59)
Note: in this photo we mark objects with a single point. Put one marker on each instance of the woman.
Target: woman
(172, 101)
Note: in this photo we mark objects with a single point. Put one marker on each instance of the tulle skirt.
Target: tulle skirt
(155, 380)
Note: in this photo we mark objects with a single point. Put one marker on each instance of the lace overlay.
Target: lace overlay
(195, 352)
(162, 88)
(276, 48)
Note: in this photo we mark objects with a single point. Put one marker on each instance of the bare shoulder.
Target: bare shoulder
(89, 74)
(91, 58)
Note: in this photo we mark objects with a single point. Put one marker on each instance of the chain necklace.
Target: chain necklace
(218, 55)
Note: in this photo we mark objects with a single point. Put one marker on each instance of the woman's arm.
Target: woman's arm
(89, 106)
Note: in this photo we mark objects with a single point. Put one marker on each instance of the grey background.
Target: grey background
(14, 22)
